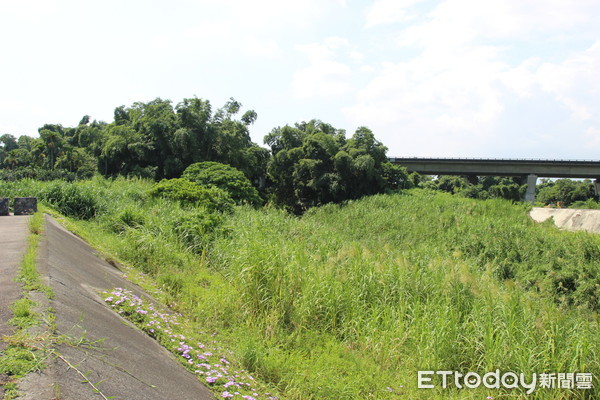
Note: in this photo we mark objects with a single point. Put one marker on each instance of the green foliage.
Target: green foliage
(589, 204)
(23, 314)
(150, 140)
(411, 282)
(487, 187)
(313, 164)
(21, 356)
(225, 177)
(346, 301)
(569, 193)
(128, 217)
(73, 199)
(197, 228)
(190, 193)
(41, 174)
(566, 191)
(17, 361)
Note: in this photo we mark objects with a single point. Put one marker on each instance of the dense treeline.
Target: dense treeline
(152, 140)
(307, 164)
(313, 163)
(563, 192)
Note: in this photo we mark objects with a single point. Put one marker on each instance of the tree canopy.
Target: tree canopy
(305, 165)
(313, 163)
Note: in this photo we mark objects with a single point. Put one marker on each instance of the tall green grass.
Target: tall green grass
(349, 302)
(412, 282)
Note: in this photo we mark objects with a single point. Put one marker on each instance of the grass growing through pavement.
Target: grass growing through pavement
(350, 302)
(23, 354)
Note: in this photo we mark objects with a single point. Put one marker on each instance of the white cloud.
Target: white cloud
(367, 69)
(574, 82)
(452, 95)
(593, 138)
(436, 76)
(323, 79)
(384, 12)
(324, 76)
(434, 93)
(268, 16)
(521, 79)
(463, 21)
(261, 47)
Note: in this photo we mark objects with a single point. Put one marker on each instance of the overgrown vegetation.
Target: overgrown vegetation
(314, 164)
(198, 351)
(153, 140)
(225, 177)
(563, 192)
(308, 164)
(190, 193)
(22, 355)
(350, 301)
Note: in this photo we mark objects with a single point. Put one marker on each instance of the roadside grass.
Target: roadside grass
(349, 302)
(24, 353)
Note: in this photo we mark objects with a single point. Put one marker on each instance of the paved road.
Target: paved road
(13, 243)
(127, 364)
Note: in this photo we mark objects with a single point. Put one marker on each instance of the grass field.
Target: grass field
(350, 302)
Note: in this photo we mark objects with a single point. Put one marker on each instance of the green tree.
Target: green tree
(123, 150)
(53, 142)
(566, 191)
(8, 142)
(194, 139)
(225, 177)
(313, 163)
(17, 158)
(156, 122)
(77, 160)
(192, 194)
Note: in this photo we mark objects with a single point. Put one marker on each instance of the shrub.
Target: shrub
(589, 203)
(73, 200)
(224, 177)
(197, 228)
(190, 193)
(128, 218)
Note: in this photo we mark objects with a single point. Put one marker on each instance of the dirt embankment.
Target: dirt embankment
(568, 218)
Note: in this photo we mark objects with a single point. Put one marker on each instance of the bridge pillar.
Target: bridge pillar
(597, 187)
(531, 181)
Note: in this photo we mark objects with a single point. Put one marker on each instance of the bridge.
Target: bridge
(529, 170)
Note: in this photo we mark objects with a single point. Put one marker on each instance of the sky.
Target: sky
(430, 78)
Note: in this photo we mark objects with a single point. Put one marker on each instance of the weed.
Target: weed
(351, 301)
(23, 354)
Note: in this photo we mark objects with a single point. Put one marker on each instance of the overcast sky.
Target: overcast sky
(453, 78)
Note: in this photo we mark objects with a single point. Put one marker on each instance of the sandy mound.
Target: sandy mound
(570, 219)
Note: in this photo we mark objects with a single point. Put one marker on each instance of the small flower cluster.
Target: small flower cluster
(208, 362)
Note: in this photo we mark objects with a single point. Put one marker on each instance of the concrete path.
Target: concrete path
(125, 363)
(13, 243)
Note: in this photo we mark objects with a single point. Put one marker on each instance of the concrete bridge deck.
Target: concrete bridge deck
(501, 167)
(528, 169)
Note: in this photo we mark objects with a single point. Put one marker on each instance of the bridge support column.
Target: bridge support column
(531, 181)
(597, 187)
